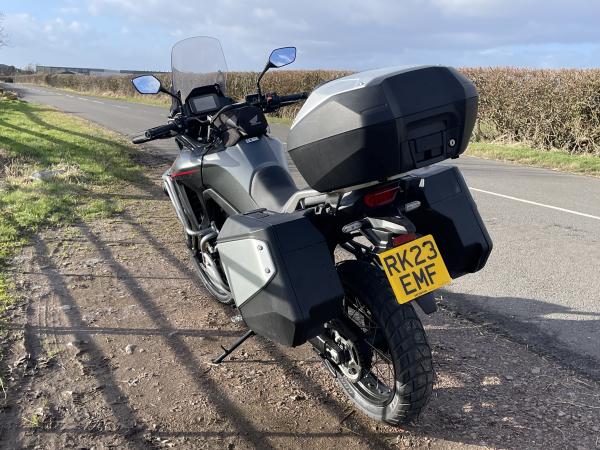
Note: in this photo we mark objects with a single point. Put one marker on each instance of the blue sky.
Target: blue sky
(344, 34)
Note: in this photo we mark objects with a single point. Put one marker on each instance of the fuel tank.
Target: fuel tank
(231, 173)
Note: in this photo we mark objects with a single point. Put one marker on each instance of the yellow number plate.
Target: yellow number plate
(415, 268)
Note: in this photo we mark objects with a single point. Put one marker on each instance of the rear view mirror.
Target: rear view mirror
(282, 56)
(279, 57)
(147, 84)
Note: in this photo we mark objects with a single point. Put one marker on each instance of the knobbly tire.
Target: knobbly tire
(391, 330)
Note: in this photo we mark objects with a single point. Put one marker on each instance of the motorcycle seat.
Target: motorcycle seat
(271, 187)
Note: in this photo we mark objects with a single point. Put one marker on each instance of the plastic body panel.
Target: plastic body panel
(374, 125)
(305, 291)
(450, 214)
(231, 171)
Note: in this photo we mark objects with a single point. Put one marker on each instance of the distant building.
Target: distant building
(89, 71)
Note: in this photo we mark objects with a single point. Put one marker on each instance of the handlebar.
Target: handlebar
(268, 103)
(139, 140)
(283, 99)
(156, 132)
(162, 131)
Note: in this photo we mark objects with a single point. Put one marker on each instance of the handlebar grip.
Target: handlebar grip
(139, 140)
(293, 97)
(153, 133)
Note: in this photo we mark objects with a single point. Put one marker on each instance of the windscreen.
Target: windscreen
(197, 62)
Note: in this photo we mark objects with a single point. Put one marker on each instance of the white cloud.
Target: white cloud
(471, 8)
(264, 13)
(24, 28)
(69, 10)
(351, 34)
(32, 38)
(357, 33)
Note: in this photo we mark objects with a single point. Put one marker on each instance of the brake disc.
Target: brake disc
(358, 360)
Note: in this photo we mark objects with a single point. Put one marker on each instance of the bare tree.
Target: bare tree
(3, 38)
(30, 68)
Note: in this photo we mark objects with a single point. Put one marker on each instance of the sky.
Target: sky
(329, 34)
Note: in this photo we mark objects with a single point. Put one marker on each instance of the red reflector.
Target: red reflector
(185, 172)
(403, 239)
(381, 197)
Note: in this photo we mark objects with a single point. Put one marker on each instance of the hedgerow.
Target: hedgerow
(542, 108)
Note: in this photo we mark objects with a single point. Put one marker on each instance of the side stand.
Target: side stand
(230, 350)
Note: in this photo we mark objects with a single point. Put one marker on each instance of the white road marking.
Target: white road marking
(84, 99)
(556, 208)
(122, 107)
(98, 101)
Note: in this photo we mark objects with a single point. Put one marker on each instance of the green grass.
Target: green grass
(155, 100)
(93, 161)
(282, 120)
(550, 159)
(33, 422)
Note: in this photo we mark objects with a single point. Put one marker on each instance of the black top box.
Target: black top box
(374, 125)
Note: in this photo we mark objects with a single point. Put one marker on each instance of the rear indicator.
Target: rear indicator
(185, 172)
(381, 197)
(403, 239)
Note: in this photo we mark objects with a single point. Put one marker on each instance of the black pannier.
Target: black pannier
(449, 213)
(377, 124)
(240, 123)
(281, 273)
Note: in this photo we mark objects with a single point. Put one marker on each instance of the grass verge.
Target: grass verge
(549, 159)
(155, 100)
(88, 163)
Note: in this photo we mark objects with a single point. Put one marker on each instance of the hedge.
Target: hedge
(542, 108)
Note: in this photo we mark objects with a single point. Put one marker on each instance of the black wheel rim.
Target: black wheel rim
(378, 385)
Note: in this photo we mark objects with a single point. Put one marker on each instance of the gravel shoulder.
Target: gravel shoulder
(110, 347)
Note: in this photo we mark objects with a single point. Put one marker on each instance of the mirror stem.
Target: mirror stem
(267, 67)
(166, 91)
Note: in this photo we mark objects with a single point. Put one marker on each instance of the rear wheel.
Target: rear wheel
(388, 349)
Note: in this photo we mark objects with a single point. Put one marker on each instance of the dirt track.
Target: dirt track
(111, 348)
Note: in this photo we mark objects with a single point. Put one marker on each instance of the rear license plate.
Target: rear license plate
(414, 268)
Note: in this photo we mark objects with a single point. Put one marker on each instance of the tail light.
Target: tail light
(381, 197)
(403, 239)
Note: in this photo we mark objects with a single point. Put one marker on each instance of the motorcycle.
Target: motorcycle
(367, 146)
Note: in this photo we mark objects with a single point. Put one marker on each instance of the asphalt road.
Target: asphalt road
(542, 282)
